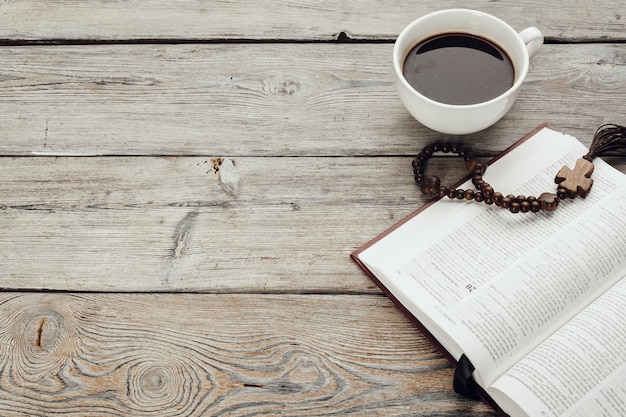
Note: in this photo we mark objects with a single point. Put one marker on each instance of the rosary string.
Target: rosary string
(608, 139)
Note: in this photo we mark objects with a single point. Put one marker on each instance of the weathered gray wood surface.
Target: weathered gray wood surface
(196, 223)
(216, 100)
(36, 20)
(234, 355)
(233, 152)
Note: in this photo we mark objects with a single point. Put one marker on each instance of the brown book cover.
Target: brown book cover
(413, 319)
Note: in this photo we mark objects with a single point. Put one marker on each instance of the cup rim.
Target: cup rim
(397, 57)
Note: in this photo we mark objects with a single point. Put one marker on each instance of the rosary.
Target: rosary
(570, 182)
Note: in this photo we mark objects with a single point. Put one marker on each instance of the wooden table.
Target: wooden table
(182, 184)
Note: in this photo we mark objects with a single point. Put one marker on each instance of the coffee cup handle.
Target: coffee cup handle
(533, 38)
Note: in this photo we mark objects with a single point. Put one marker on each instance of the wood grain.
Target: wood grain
(92, 20)
(189, 178)
(214, 100)
(187, 224)
(227, 355)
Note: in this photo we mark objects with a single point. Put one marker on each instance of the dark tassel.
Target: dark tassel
(608, 139)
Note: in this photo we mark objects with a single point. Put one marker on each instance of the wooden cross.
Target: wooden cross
(576, 181)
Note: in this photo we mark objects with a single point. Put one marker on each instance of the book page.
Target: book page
(579, 371)
(452, 252)
(544, 290)
(607, 400)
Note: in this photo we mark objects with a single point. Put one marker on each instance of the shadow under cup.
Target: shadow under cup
(464, 118)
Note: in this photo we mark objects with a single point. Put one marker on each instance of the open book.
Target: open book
(535, 302)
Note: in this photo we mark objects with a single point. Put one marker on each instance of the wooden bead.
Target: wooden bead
(535, 206)
(525, 206)
(563, 193)
(487, 190)
(548, 201)
(484, 192)
(478, 170)
(430, 185)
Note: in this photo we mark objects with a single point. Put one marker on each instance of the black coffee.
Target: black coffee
(456, 68)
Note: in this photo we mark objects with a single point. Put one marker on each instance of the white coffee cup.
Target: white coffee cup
(462, 119)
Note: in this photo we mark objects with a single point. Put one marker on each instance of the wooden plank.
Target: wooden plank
(301, 20)
(196, 224)
(291, 99)
(197, 355)
(191, 224)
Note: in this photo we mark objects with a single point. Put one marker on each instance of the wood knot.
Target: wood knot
(166, 384)
(44, 330)
(288, 87)
(40, 341)
(227, 174)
